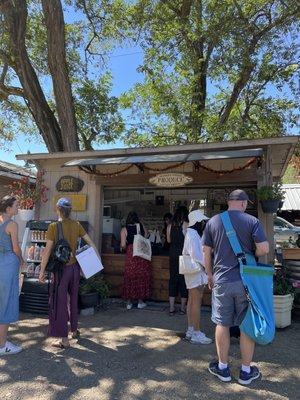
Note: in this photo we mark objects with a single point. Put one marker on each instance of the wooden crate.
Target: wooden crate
(291, 254)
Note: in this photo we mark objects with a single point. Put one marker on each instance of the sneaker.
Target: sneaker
(222, 374)
(247, 377)
(188, 334)
(200, 338)
(129, 306)
(10, 348)
(141, 305)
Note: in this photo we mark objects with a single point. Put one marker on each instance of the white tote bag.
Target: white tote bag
(189, 266)
(141, 245)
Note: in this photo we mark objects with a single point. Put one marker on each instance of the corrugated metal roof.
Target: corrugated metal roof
(292, 197)
(14, 171)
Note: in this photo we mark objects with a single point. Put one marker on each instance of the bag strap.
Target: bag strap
(138, 229)
(60, 234)
(234, 241)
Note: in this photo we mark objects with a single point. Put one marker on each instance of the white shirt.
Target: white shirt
(193, 248)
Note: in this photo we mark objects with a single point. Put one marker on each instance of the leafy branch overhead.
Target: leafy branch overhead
(211, 70)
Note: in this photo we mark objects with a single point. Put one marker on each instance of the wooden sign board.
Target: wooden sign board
(78, 201)
(171, 180)
(69, 183)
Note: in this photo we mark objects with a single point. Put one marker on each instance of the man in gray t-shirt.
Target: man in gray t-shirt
(229, 302)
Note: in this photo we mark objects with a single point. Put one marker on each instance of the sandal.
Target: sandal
(171, 313)
(182, 312)
(76, 335)
(60, 345)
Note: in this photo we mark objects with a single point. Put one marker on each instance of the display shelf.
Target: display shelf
(38, 241)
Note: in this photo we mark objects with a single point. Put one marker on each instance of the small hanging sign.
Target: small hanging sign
(171, 180)
(69, 184)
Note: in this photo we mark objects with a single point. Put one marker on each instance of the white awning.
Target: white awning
(292, 197)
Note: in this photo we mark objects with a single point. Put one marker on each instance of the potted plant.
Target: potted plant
(93, 290)
(28, 193)
(283, 298)
(270, 197)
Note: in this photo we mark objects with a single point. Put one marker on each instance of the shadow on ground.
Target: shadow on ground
(139, 355)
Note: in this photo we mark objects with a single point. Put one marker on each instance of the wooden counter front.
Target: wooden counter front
(114, 269)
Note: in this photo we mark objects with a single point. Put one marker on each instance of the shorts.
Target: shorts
(229, 303)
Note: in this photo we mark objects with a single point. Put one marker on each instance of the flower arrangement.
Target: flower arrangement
(28, 193)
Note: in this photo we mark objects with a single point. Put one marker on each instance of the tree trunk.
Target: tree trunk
(15, 17)
(54, 20)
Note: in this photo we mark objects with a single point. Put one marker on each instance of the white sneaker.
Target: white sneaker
(129, 306)
(141, 305)
(10, 348)
(200, 338)
(188, 334)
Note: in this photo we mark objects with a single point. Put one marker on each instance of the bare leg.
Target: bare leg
(247, 346)
(183, 304)
(195, 306)
(3, 334)
(172, 303)
(222, 343)
(189, 309)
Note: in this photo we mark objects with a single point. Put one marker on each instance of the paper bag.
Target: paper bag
(89, 261)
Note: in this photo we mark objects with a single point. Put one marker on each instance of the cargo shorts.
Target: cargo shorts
(229, 303)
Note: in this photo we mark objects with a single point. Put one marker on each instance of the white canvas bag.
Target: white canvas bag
(189, 266)
(141, 245)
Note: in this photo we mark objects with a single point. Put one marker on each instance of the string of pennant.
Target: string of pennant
(142, 167)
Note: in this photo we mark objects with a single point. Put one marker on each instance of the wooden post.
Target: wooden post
(265, 178)
(96, 211)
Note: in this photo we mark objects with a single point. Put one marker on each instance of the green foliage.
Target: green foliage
(98, 118)
(281, 283)
(274, 192)
(95, 284)
(214, 71)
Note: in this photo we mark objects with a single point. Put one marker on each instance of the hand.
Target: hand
(210, 282)
(42, 277)
(23, 266)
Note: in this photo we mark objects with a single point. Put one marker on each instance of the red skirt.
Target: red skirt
(137, 277)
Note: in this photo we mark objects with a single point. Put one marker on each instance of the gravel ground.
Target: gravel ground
(139, 354)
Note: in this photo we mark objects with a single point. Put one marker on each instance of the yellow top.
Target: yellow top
(72, 231)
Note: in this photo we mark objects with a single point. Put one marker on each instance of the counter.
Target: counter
(114, 268)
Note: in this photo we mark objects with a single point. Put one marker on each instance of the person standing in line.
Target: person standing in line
(167, 222)
(175, 236)
(195, 282)
(138, 271)
(229, 301)
(10, 262)
(68, 283)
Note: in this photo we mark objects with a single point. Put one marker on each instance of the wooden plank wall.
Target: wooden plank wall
(114, 270)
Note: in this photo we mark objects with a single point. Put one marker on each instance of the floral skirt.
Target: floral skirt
(137, 277)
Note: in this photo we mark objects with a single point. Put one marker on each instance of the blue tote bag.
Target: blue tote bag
(259, 321)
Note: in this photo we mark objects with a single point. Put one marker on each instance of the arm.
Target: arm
(169, 233)
(208, 264)
(123, 238)
(45, 259)
(12, 230)
(89, 241)
(261, 249)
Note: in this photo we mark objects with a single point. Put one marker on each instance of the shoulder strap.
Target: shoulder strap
(231, 233)
(60, 234)
(234, 241)
(138, 230)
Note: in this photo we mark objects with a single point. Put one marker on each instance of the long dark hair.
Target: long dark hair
(6, 201)
(132, 218)
(180, 216)
(200, 226)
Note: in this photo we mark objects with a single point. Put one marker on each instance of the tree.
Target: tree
(214, 70)
(37, 46)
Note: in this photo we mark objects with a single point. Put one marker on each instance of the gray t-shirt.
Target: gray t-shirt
(248, 230)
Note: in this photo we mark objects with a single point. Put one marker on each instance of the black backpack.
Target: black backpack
(61, 253)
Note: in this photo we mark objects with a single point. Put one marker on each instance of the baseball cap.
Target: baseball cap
(238, 195)
(64, 202)
(196, 216)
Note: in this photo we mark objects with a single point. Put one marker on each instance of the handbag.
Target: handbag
(257, 278)
(141, 245)
(189, 266)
